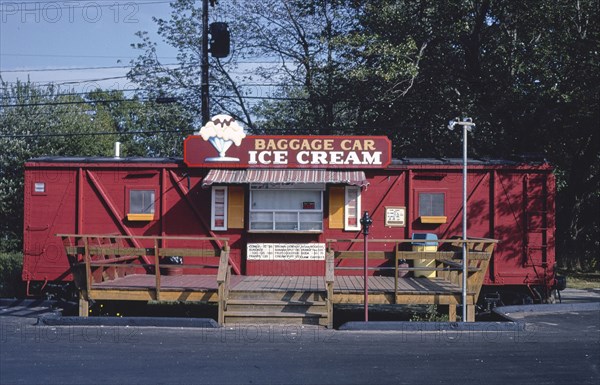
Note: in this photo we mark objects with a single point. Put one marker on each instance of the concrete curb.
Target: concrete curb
(437, 327)
(12, 302)
(557, 308)
(171, 322)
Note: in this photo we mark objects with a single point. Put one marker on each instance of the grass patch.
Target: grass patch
(11, 284)
(581, 279)
(430, 314)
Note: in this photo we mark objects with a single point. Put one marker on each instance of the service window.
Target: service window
(218, 210)
(141, 204)
(352, 208)
(286, 208)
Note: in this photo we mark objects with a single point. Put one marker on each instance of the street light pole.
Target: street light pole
(467, 125)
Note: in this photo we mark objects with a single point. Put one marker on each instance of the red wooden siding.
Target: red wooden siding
(512, 203)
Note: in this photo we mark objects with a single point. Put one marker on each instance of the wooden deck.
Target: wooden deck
(342, 285)
(104, 267)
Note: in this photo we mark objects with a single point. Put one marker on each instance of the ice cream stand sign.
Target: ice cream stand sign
(222, 143)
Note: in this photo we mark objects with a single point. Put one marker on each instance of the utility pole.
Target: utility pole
(204, 64)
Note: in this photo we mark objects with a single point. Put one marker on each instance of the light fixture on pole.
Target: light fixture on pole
(468, 125)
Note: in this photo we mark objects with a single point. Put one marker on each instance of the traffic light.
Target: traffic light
(219, 40)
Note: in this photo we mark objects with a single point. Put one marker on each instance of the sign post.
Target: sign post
(366, 222)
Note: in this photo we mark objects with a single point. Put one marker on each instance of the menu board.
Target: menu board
(395, 216)
(285, 251)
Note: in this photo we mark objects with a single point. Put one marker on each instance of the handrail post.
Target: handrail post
(157, 269)
(329, 282)
(396, 256)
(84, 297)
(88, 267)
(223, 276)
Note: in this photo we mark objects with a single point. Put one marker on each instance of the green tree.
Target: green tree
(39, 121)
(145, 128)
(42, 121)
(526, 71)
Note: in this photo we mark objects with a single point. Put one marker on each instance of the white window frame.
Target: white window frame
(347, 215)
(213, 207)
(298, 213)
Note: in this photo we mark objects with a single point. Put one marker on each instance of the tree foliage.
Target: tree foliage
(290, 55)
(43, 121)
(527, 72)
(28, 114)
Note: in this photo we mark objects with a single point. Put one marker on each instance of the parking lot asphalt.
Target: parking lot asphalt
(541, 347)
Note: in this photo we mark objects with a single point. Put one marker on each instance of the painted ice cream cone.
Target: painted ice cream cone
(222, 132)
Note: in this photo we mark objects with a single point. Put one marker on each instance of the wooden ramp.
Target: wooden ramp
(105, 269)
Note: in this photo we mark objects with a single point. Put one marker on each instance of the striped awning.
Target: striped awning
(355, 178)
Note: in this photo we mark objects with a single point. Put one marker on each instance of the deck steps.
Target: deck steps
(277, 307)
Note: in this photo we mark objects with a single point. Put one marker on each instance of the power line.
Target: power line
(118, 57)
(70, 82)
(275, 98)
(81, 93)
(148, 90)
(80, 81)
(137, 100)
(69, 102)
(74, 68)
(78, 56)
(70, 134)
(85, 93)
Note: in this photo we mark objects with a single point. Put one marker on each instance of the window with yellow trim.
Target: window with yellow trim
(431, 204)
(141, 204)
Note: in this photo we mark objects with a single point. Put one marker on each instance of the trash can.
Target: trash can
(426, 246)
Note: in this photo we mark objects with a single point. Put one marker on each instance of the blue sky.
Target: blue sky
(40, 37)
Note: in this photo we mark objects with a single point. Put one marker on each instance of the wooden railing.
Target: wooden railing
(447, 261)
(96, 258)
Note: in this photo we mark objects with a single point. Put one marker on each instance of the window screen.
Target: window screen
(431, 204)
(141, 201)
(286, 210)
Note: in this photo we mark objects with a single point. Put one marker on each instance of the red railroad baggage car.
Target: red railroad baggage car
(273, 190)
